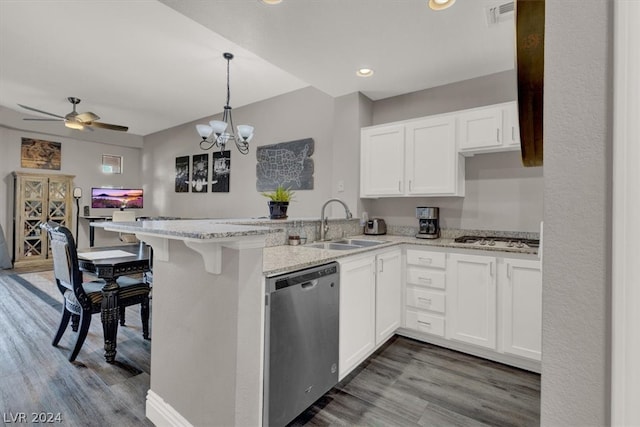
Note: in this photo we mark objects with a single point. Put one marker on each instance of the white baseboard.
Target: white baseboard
(162, 414)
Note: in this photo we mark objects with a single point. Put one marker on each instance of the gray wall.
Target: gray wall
(500, 193)
(81, 158)
(577, 215)
(305, 113)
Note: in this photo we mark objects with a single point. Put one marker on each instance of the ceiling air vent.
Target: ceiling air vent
(501, 13)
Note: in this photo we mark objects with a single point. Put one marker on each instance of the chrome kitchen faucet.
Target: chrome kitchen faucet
(324, 227)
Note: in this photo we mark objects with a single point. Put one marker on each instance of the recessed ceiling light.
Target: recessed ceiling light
(271, 2)
(440, 4)
(364, 72)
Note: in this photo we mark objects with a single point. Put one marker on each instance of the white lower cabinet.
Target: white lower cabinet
(521, 307)
(472, 299)
(370, 302)
(388, 294)
(425, 300)
(357, 312)
(482, 303)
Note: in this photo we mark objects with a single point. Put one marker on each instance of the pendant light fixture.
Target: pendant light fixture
(220, 132)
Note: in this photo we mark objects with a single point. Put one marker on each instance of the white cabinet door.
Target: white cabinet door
(357, 312)
(471, 299)
(480, 128)
(431, 157)
(388, 294)
(511, 126)
(521, 288)
(382, 161)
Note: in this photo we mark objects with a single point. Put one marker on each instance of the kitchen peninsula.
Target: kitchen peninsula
(208, 311)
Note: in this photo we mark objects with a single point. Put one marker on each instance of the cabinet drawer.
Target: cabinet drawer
(426, 277)
(428, 300)
(426, 259)
(423, 322)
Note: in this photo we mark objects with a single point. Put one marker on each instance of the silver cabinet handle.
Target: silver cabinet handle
(381, 265)
(491, 268)
(409, 185)
(425, 260)
(497, 135)
(513, 133)
(426, 300)
(509, 271)
(425, 279)
(427, 324)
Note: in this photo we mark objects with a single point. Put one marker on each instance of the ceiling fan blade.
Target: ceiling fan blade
(44, 120)
(107, 126)
(87, 117)
(40, 111)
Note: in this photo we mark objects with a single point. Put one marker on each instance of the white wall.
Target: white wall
(305, 113)
(577, 213)
(80, 158)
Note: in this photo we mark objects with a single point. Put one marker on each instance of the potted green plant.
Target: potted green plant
(279, 202)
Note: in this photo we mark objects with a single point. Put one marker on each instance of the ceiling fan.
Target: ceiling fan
(75, 120)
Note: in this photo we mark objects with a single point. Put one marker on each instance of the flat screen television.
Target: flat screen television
(116, 198)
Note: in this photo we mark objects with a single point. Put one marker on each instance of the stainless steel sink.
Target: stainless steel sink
(346, 244)
(361, 242)
(333, 245)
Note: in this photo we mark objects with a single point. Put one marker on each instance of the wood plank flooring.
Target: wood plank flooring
(409, 383)
(405, 383)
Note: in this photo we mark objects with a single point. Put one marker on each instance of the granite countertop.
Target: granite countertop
(281, 259)
(188, 229)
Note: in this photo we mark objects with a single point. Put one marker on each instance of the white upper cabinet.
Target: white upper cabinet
(433, 166)
(416, 158)
(382, 161)
(488, 129)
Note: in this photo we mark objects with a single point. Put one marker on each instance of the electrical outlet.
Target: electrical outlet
(340, 186)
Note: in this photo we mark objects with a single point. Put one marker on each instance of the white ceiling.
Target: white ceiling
(152, 65)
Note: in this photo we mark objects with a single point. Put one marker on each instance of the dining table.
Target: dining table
(109, 263)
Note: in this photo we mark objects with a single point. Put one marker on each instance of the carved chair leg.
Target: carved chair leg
(66, 315)
(144, 314)
(85, 321)
(122, 309)
(75, 321)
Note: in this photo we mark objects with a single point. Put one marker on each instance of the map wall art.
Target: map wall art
(288, 164)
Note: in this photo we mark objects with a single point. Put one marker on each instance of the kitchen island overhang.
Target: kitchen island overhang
(208, 321)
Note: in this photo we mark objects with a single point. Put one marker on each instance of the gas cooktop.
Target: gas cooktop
(498, 241)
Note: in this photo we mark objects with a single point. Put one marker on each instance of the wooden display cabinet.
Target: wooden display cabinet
(38, 198)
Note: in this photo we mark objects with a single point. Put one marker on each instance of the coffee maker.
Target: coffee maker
(429, 219)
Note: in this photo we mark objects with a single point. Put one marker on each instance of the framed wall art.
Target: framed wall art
(200, 174)
(182, 174)
(40, 154)
(288, 164)
(111, 164)
(221, 171)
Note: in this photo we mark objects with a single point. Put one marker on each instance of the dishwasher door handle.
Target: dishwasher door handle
(310, 284)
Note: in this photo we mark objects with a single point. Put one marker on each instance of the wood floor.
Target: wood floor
(406, 383)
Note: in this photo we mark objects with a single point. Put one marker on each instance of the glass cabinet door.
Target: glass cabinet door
(33, 199)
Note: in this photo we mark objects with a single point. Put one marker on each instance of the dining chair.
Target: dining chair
(125, 216)
(83, 299)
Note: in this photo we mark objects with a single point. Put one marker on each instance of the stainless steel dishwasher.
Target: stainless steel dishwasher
(301, 341)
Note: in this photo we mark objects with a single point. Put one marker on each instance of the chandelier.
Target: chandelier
(220, 132)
